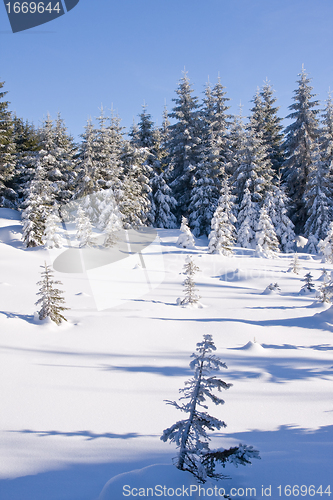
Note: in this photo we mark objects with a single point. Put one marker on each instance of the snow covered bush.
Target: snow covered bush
(51, 299)
(190, 434)
(186, 239)
(189, 286)
(272, 288)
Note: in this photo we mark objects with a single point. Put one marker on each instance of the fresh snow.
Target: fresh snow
(83, 402)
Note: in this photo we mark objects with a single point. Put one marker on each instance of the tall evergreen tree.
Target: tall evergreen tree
(211, 165)
(298, 146)
(247, 220)
(37, 207)
(7, 153)
(254, 169)
(266, 120)
(317, 200)
(222, 235)
(267, 244)
(184, 145)
(276, 204)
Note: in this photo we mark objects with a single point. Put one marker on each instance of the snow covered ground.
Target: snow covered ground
(84, 402)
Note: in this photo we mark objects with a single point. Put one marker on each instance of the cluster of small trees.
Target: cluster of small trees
(255, 178)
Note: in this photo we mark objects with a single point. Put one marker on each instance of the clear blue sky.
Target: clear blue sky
(125, 52)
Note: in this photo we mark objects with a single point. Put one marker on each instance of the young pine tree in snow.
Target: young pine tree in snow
(84, 229)
(51, 299)
(190, 434)
(185, 239)
(222, 235)
(295, 266)
(267, 243)
(326, 246)
(51, 237)
(189, 286)
(308, 286)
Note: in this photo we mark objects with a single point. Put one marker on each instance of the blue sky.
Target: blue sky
(126, 52)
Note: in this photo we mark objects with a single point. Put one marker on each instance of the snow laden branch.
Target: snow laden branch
(190, 434)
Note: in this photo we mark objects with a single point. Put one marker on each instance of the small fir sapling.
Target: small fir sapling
(189, 286)
(190, 434)
(325, 292)
(51, 298)
(186, 239)
(295, 266)
(308, 286)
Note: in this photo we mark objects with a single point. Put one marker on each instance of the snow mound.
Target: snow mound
(157, 477)
(10, 234)
(252, 347)
(318, 304)
(272, 289)
(325, 316)
(9, 214)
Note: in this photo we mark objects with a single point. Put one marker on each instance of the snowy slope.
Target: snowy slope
(84, 402)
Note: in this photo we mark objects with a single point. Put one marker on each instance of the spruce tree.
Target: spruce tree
(51, 299)
(189, 285)
(267, 244)
(185, 238)
(84, 233)
(317, 200)
(308, 286)
(326, 246)
(183, 145)
(7, 153)
(298, 145)
(276, 204)
(37, 207)
(190, 434)
(266, 120)
(247, 220)
(212, 159)
(222, 235)
(295, 266)
(51, 238)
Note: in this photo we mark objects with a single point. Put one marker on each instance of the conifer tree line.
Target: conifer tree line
(248, 182)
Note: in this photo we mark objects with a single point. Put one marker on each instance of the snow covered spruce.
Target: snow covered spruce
(191, 298)
(190, 434)
(51, 299)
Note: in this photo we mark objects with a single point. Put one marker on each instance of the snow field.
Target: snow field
(84, 401)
